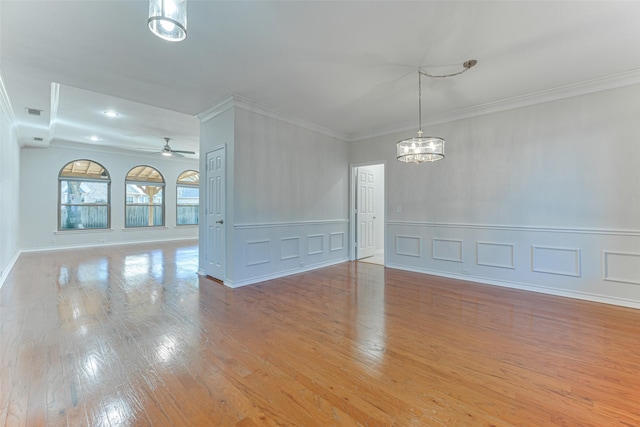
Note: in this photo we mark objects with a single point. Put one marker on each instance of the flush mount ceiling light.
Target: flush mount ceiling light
(111, 113)
(168, 19)
(422, 149)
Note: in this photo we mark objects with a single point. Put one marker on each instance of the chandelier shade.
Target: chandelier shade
(420, 149)
(168, 19)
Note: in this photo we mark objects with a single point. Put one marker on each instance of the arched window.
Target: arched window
(144, 204)
(188, 198)
(84, 196)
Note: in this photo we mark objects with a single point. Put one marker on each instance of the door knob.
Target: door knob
(221, 221)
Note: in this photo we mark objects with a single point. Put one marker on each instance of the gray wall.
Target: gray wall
(9, 191)
(287, 194)
(543, 197)
(39, 192)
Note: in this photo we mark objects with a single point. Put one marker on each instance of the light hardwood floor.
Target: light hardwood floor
(131, 336)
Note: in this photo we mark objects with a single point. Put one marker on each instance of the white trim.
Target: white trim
(315, 236)
(289, 224)
(610, 232)
(488, 264)
(246, 104)
(418, 238)
(605, 267)
(99, 244)
(146, 228)
(73, 231)
(576, 89)
(7, 109)
(267, 260)
(9, 267)
(586, 296)
(577, 266)
(216, 110)
(283, 239)
(258, 279)
(433, 249)
(274, 113)
(53, 113)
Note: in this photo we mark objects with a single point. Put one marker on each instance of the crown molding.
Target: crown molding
(583, 88)
(7, 110)
(53, 116)
(274, 113)
(265, 110)
(216, 110)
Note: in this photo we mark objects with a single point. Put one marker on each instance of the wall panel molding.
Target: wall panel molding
(553, 260)
(446, 249)
(408, 246)
(258, 252)
(501, 255)
(289, 247)
(336, 241)
(621, 267)
(315, 244)
(609, 232)
(289, 224)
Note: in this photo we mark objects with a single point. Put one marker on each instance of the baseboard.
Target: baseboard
(9, 267)
(93, 245)
(526, 287)
(258, 279)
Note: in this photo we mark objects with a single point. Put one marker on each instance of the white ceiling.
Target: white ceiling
(347, 66)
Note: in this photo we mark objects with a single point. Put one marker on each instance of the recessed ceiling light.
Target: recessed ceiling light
(111, 113)
(95, 138)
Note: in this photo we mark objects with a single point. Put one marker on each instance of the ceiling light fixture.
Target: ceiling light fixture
(168, 19)
(94, 138)
(422, 149)
(111, 113)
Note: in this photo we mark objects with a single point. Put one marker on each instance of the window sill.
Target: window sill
(157, 227)
(84, 230)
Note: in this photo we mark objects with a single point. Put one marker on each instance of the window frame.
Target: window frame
(60, 204)
(187, 185)
(140, 182)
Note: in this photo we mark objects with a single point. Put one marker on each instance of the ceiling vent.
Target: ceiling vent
(38, 139)
(33, 111)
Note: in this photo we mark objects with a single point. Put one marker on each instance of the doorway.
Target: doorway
(368, 213)
(215, 213)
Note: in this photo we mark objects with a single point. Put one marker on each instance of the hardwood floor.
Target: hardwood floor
(131, 336)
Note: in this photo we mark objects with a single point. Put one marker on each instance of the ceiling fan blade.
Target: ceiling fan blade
(176, 153)
(183, 151)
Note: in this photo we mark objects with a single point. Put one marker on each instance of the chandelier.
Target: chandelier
(420, 149)
(168, 19)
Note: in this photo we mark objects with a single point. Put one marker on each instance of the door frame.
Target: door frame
(353, 191)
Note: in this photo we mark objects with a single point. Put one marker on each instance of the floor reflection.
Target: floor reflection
(370, 317)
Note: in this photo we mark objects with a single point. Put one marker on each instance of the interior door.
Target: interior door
(215, 213)
(365, 238)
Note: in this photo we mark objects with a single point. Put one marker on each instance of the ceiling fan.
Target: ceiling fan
(168, 151)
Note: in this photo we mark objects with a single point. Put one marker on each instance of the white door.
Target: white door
(365, 239)
(215, 213)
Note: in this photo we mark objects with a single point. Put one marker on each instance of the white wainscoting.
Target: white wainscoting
(590, 264)
(621, 267)
(562, 261)
(269, 250)
(408, 246)
(491, 254)
(447, 249)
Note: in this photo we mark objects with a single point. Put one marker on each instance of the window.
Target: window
(188, 198)
(144, 198)
(84, 189)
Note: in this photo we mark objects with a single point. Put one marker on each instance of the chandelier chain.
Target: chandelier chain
(467, 66)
